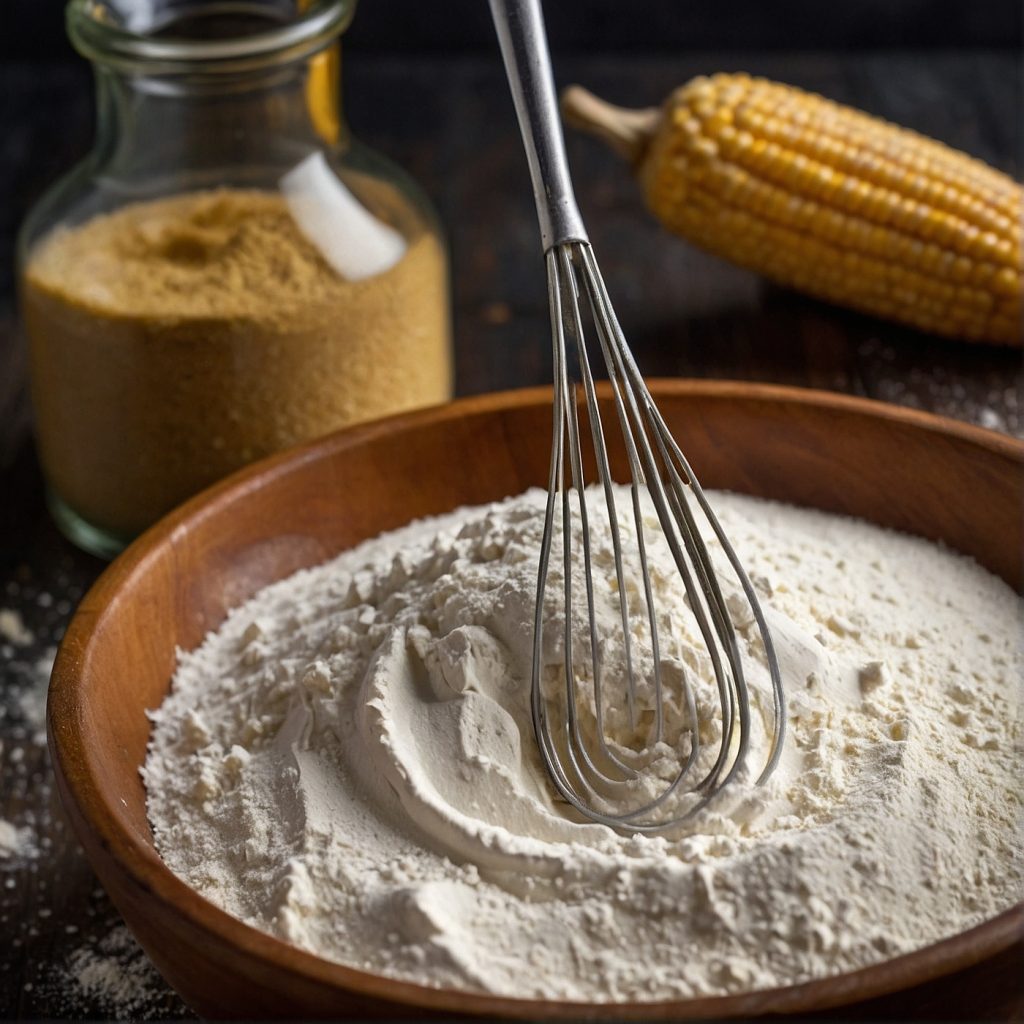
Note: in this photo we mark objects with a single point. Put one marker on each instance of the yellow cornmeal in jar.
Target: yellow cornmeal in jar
(176, 340)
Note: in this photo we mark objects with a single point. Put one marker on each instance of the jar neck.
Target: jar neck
(195, 93)
(240, 128)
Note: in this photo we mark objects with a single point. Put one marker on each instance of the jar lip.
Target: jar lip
(101, 40)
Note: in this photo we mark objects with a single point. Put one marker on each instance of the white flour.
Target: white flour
(115, 974)
(348, 763)
(15, 841)
(13, 628)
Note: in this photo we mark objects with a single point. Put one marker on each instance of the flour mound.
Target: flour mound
(348, 763)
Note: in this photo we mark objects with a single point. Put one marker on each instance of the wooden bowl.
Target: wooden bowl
(903, 469)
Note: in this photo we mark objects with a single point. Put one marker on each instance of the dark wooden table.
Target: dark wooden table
(450, 123)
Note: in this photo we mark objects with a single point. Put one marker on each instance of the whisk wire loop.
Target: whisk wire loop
(596, 775)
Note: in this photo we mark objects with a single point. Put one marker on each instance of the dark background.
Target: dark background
(33, 29)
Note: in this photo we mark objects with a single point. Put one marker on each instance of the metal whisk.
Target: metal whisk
(598, 776)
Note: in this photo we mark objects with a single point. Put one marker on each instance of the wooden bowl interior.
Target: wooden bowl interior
(956, 485)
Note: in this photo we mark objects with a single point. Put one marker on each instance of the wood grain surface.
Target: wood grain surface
(450, 122)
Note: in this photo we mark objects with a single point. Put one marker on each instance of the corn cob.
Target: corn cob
(827, 200)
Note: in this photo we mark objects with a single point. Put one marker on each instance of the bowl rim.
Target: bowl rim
(75, 765)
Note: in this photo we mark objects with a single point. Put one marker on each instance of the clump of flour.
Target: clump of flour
(15, 841)
(13, 628)
(348, 763)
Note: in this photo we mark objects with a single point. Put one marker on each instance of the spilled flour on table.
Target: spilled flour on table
(114, 974)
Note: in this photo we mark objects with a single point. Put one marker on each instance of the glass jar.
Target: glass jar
(228, 272)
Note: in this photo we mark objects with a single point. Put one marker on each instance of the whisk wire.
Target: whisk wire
(605, 480)
(778, 691)
(613, 343)
(579, 757)
(698, 553)
(590, 775)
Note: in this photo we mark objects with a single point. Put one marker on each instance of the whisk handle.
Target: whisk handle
(524, 47)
